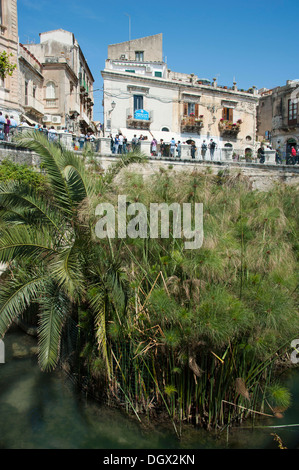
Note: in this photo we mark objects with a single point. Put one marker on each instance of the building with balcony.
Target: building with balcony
(143, 96)
(67, 82)
(9, 92)
(277, 116)
(31, 83)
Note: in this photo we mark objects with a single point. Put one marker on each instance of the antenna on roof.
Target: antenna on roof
(129, 26)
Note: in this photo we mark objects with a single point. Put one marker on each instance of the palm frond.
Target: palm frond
(54, 309)
(22, 242)
(29, 204)
(16, 294)
(50, 156)
(79, 181)
(66, 270)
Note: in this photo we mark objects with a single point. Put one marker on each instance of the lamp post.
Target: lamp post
(113, 104)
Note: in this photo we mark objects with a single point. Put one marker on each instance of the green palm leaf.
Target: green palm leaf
(16, 294)
(50, 156)
(22, 242)
(30, 205)
(66, 270)
(55, 307)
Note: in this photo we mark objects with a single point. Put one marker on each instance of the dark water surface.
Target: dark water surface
(43, 411)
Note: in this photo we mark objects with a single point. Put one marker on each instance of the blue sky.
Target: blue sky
(256, 42)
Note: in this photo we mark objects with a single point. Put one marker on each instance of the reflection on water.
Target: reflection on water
(43, 411)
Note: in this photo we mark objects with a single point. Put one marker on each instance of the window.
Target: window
(158, 74)
(165, 129)
(50, 91)
(228, 114)
(26, 92)
(130, 71)
(139, 56)
(292, 117)
(1, 16)
(1, 82)
(138, 102)
(34, 91)
(191, 109)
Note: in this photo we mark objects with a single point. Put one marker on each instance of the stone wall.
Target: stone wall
(262, 176)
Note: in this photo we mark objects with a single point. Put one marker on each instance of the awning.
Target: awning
(30, 121)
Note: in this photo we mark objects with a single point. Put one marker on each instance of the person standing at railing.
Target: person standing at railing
(193, 150)
(179, 149)
(6, 128)
(116, 144)
(278, 159)
(13, 125)
(125, 148)
(52, 135)
(121, 143)
(81, 141)
(135, 143)
(262, 154)
(172, 147)
(154, 147)
(204, 149)
(2, 122)
(212, 147)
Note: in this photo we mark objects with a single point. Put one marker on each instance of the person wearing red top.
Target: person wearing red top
(6, 128)
(293, 153)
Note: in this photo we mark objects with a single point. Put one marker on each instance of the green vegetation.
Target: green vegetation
(199, 335)
(6, 67)
(10, 171)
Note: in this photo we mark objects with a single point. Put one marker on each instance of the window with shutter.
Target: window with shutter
(185, 109)
(228, 114)
(292, 116)
(196, 110)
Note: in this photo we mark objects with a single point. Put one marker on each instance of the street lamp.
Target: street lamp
(113, 104)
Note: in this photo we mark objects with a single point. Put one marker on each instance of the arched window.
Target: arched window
(165, 129)
(51, 91)
(228, 146)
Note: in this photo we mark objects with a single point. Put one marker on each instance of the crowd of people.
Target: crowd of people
(121, 145)
(174, 149)
(7, 126)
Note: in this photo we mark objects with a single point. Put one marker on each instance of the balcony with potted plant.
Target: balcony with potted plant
(230, 128)
(192, 123)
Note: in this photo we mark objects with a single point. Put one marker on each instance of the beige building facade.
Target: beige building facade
(142, 96)
(68, 81)
(278, 116)
(9, 91)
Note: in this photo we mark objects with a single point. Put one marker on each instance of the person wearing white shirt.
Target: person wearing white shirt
(121, 143)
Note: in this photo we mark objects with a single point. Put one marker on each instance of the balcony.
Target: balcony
(192, 124)
(51, 103)
(33, 105)
(229, 128)
(140, 119)
(83, 86)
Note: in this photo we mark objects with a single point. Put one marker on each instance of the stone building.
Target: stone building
(9, 97)
(31, 82)
(142, 96)
(277, 116)
(68, 81)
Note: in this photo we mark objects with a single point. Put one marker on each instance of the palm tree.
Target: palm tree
(53, 257)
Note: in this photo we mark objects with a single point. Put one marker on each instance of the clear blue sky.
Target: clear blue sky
(256, 42)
